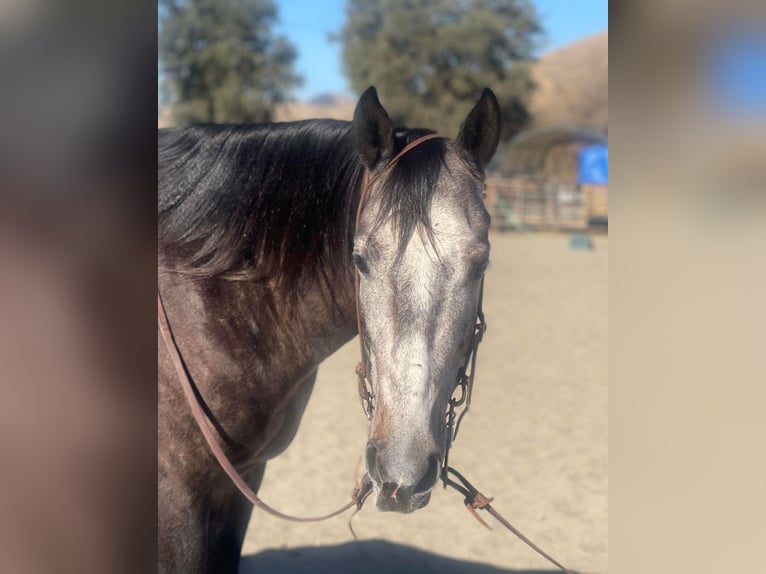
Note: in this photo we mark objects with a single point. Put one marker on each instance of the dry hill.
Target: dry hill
(573, 84)
(335, 106)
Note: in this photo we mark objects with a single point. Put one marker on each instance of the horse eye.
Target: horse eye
(479, 268)
(360, 263)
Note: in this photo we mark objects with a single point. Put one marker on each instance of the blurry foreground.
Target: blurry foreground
(687, 284)
(77, 278)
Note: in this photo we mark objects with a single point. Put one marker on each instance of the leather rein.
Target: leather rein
(474, 500)
(205, 424)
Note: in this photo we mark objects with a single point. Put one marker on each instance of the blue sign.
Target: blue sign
(594, 165)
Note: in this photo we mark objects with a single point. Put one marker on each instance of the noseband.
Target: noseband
(465, 376)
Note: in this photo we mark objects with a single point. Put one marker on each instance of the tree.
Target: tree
(220, 61)
(429, 59)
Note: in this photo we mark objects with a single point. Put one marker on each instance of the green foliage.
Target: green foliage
(429, 59)
(220, 61)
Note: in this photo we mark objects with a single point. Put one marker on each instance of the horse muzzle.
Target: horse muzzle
(404, 489)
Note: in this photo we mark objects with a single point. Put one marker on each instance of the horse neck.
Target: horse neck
(251, 339)
(297, 302)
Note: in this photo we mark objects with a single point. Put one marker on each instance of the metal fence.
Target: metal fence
(527, 203)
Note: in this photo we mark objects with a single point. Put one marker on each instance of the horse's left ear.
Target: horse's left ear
(480, 133)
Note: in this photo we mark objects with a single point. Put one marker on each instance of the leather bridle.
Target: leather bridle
(205, 424)
(474, 500)
(465, 376)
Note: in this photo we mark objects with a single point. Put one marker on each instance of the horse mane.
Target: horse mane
(275, 201)
(406, 193)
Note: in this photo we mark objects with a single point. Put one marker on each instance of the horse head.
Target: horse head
(421, 247)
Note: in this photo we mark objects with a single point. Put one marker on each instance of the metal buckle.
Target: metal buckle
(364, 390)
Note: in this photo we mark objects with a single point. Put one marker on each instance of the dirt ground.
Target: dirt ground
(535, 440)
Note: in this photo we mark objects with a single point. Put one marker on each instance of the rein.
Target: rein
(204, 423)
(474, 500)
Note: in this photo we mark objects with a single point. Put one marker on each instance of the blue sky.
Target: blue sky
(307, 24)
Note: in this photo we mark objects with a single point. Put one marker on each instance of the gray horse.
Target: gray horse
(258, 247)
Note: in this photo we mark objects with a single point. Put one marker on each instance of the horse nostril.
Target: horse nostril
(429, 478)
(371, 455)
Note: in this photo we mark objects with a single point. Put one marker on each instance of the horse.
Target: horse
(269, 262)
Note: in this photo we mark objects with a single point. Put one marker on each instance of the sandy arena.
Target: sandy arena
(535, 439)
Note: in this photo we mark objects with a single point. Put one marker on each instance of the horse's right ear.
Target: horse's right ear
(373, 129)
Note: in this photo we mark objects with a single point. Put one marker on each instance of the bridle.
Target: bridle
(465, 376)
(474, 500)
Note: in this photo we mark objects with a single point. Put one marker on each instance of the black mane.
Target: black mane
(407, 190)
(274, 201)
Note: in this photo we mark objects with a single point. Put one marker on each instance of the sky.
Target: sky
(307, 24)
